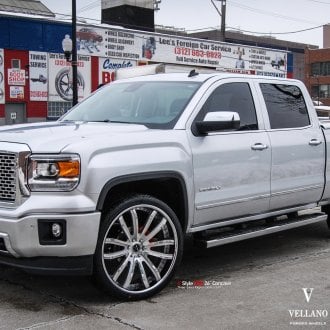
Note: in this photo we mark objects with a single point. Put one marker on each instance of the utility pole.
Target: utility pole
(223, 20)
(74, 62)
(222, 14)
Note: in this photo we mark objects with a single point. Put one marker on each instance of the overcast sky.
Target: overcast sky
(264, 17)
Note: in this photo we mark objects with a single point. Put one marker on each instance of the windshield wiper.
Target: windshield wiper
(99, 121)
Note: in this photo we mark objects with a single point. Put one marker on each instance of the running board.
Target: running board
(252, 231)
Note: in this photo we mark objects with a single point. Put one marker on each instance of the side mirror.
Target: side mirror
(218, 121)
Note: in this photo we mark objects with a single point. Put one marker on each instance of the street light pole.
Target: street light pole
(318, 91)
(74, 62)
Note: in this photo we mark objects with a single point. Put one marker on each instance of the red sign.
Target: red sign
(16, 77)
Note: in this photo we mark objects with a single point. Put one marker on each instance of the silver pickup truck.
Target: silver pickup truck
(114, 186)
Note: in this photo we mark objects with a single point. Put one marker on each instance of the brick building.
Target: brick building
(317, 69)
(317, 74)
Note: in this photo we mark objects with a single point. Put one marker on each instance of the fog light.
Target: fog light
(52, 231)
(56, 230)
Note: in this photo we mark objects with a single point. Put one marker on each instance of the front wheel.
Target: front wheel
(139, 248)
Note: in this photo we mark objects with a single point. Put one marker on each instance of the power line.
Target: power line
(91, 5)
(268, 13)
(48, 12)
(68, 16)
(255, 32)
(326, 3)
(290, 32)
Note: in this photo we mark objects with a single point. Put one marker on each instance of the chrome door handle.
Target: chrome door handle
(314, 142)
(259, 146)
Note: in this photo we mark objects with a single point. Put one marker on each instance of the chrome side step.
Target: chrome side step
(259, 230)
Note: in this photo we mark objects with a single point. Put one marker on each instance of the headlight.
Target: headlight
(53, 172)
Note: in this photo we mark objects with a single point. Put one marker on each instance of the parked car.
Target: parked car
(113, 187)
(323, 111)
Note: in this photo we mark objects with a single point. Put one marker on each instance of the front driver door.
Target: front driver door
(231, 169)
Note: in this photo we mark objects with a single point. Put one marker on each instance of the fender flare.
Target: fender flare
(142, 177)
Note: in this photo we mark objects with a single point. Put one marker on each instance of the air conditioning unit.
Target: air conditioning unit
(131, 14)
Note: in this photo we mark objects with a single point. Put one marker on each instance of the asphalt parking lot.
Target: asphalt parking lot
(254, 284)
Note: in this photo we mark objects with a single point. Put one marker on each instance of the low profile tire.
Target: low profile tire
(139, 248)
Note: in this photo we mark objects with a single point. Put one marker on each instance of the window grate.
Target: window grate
(57, 109)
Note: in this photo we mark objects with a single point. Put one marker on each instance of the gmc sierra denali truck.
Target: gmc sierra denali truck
(112, 187)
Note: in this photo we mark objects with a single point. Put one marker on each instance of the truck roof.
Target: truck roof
(199, 77)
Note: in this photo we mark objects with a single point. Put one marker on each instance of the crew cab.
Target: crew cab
(112, 188)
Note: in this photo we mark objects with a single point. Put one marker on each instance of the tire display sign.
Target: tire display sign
(2, 78)
(60, 77)
(107, 66)
(16, 77)
(155, 47)
(38, 66)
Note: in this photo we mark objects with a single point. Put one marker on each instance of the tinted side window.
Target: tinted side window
(285, 105)
(235, 97)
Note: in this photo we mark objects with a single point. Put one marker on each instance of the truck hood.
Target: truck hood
(52, 137)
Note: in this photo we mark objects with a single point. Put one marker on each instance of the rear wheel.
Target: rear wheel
(139, 248)
(326, 209)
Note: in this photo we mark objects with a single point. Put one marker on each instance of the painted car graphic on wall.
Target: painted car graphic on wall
(88, 39)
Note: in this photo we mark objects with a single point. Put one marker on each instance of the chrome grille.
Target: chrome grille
(8, 162)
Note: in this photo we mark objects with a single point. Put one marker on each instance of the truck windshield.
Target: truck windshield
(155, 104)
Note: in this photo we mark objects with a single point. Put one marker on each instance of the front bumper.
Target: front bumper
(20, 237)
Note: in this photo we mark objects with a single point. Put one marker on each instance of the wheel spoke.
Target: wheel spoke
(143, 273)
(156, 230)
(149, 221)
(130, 273)
(115, 255)
(152, 267)
(159, 254)
(135, 224)
(120, 269)
(125, 228)
(115, 241)
(160, 243)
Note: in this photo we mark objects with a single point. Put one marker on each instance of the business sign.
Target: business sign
(107, 67)
(38, 66)
(16, 92)
(2, 78)
(136, 46)
(60, 77)
(16, 77)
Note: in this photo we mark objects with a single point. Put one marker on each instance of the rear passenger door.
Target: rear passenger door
(231, 168)
(298, 151)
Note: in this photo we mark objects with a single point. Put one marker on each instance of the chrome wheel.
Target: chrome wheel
(140, 247)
